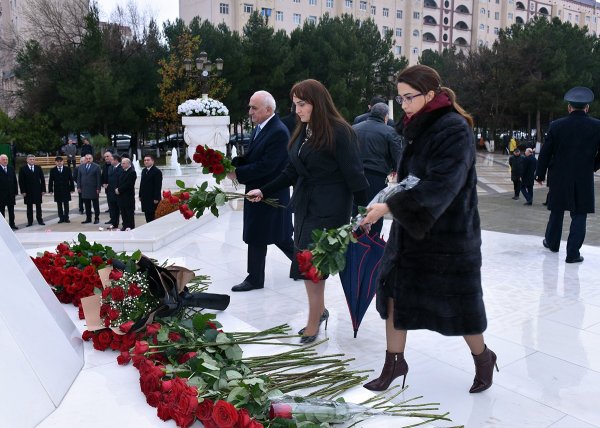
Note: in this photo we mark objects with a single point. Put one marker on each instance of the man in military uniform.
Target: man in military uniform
(572, 146)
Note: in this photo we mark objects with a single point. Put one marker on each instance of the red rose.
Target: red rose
(204, 410)
(62, 248)
(152, 329)
(163, 411)
(218, 169)
(134, 290)
(118, 294)
(197, 158)
(124, 358)
(174, 199)
(225, 414)
(154, 398)
(97, 260)
(188, 214)
(102, 340)
(115, 275)
(245, 420)
(174, 337)
(185, 196)
(280, 410)
(183, 208)
(166, 194)
(141, 347)
(89, 270)
(126, 326)
(113, 314)
(313, 274)
(87, 335)
(304, 259)
(185, 357)
(200, 149)
(106, 292)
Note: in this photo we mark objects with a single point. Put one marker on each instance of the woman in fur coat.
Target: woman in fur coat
(430, 274)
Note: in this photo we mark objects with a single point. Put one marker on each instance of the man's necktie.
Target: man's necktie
(5, 170)
(258, 129)
(60, 170)
(87, 167)
(31, 168)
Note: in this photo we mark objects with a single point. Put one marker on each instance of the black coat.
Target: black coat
(572, 147)
(113, 182)
(324, 183)
(61, 184)
(8, 186)
(264, 160)
(516, 167)
(89, 180)
(32, 183)
(432, 260)
(380, 145)
(529, 166)
(150, 188)
(126, 186)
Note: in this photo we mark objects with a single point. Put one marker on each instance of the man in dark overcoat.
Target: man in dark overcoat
(126, 194)
(528, 178)
(515, 161)
(61, 184)
(111, 197)
(8, 190)
(33, 186)
(263, 161)
(150, 188)
(89, 183)
(572, 146)
(82, 162)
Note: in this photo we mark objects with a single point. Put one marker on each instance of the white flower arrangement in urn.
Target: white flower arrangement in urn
(202, 107)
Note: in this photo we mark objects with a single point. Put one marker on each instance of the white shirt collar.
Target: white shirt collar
(262, 124)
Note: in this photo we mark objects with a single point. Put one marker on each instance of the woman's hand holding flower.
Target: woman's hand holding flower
(374, 213)
(254, 195)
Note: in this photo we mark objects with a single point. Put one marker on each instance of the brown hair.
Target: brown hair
(425, 79)
(324, 117)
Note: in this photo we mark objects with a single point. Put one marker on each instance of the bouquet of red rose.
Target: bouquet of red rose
(214, 162)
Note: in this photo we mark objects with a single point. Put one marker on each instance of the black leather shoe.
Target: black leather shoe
(246, 286)
(528, 203)
(86, 221)
(67, 220)
(108, 222)
(80, 212)
(61, 221)
(96, 221)
(574, 260)
(515, 198)
(13, 227)
(41, 223)
(29, 224)
(545, 244)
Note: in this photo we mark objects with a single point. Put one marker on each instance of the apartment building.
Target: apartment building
(416, 25)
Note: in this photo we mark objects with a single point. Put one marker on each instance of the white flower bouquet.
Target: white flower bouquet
(203, 107)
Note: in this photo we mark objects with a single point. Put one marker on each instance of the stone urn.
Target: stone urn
(212, 131)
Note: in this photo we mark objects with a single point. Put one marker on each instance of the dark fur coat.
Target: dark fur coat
(431, 265)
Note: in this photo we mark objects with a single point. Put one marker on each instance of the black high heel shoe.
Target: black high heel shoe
(311, 339)
(324, 317)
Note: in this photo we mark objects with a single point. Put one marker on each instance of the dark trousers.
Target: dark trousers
(576, 232)
(377, 182)
(11, 213)
(149, 213)
(38, 213)
(527, 191)
(113, 209)
(63, 210)
(80, 203)
(88, 208)
(257, 255)
(127, 210)
(517, 187)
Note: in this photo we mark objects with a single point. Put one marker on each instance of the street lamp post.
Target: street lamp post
(203, 71)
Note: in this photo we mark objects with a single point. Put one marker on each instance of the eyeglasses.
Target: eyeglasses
(408, 99)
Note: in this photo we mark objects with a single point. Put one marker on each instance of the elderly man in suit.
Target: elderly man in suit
(89, 185)
(572, 147)
(150, 188)
(111, 197)
(126, 194)
(263, 161)
(8, 190)
(61, 184)
(33, 186)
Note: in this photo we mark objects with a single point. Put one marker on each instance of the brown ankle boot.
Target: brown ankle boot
(484, 370)
(395, 365)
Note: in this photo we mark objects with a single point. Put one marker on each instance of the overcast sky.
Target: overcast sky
(163, 10)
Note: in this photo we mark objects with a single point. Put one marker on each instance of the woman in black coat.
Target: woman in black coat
(430, 272)
(326, 171)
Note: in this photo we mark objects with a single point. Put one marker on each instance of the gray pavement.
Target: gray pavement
(497, 210)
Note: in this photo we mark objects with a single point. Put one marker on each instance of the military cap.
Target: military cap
(579, 96)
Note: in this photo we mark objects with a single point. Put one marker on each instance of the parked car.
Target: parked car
(240, 144)
(121, 141)
(170, 141)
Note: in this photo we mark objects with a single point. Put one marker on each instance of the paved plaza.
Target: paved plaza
(543, 322)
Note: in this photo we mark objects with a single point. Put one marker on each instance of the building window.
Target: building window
(224, 8)
(576, 18)
(496, 30)
(481, 26)
(363, 5)
(398, 14)
(510, 16)
(312, 2)
(312, 19)
(386, 12)
(297, 18)
(415, 51)
(482, 11)
(329, 4)
(416, 33)
(416, 15)
(373, 10)
(349, 4)
(279, 16)
(295, 1)
(587, 19)
(398, 32)
(398, 50)
(384, 30)
(248, 8)
(497, 16)
(266, 12)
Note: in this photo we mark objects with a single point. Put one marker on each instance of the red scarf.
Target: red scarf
(440, 100)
